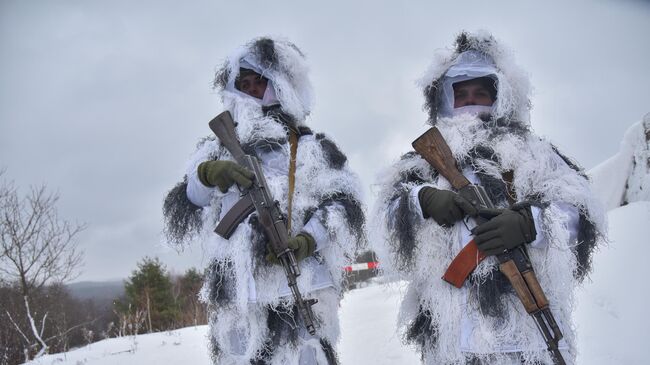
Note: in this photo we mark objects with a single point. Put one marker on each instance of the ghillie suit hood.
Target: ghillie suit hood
(282, 63)
(477, 55)
(248, 296)
(434, 314)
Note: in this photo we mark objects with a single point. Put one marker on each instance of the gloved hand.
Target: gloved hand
(444, 206)
(223, 174)
(505, 230)
(303, 246)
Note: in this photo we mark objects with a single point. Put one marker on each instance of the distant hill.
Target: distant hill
(101, 292)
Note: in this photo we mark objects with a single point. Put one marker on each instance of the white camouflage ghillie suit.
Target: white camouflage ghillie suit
(484, 322)
(252, 318)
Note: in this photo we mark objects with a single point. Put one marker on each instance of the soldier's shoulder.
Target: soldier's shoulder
(333, 154)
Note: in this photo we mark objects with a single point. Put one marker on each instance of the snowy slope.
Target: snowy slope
(184, 346)
(368, 316)
(612, 318)
(368, 333)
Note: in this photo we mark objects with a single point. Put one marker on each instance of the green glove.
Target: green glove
(505, 230)
(303, 246)
(223, 174)
(444, 206)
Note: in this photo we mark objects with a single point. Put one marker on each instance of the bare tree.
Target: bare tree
(37, 248)
(131, 321)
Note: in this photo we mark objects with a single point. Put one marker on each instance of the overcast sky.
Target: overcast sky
(103, 101)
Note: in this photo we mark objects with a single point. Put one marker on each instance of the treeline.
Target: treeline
(154, 300)
(55, 321)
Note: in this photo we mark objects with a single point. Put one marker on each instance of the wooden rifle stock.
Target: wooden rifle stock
(434, 149)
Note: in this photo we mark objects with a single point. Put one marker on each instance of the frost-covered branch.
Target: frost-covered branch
(43, 324)
(44, 346)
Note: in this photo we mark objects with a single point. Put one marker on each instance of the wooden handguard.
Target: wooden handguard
(509, 269)
(535, 289)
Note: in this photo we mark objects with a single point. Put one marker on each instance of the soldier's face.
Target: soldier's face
(253, 85)
(471, 92)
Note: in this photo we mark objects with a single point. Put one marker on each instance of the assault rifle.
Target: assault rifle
(258, 198)
(514, 264)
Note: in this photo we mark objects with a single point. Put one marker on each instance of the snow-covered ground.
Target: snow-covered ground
(368, 332)
(184, 346)
(611, 317)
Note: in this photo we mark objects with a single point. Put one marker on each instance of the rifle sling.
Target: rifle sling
(293, 147)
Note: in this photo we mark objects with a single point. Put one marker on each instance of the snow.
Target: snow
(619, 176)
(368, 321)
(609, 178)
(187, 345)
(611, 315)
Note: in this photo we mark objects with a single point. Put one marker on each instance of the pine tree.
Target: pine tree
(149, 291)
(189, 285)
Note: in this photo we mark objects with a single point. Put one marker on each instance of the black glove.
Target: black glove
(444, 206)
(505, 230)
(303, 246)
(223, 174)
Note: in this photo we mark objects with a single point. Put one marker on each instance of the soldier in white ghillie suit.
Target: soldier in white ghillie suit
(253, 319)
(479, 100)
